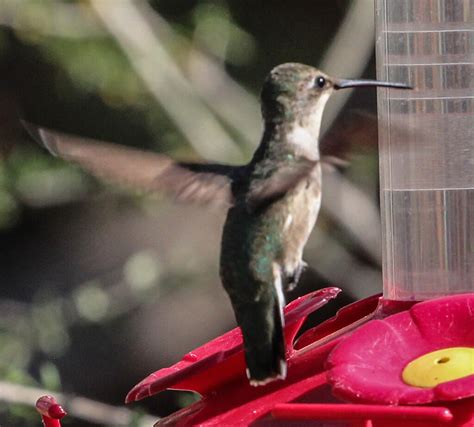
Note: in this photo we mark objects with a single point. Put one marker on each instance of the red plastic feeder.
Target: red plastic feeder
(51, 411)
(365, 362)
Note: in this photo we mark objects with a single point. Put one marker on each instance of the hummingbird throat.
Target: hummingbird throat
(302, 134)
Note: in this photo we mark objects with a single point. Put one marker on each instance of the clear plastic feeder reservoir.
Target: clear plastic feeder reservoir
(427, 146)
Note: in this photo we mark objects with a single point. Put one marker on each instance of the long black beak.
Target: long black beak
(343, 84)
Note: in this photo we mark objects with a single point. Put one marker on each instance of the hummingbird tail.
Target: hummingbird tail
(264, 341)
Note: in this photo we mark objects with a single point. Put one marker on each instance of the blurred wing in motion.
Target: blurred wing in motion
(354, 130)
(147, 171)
(333, 163)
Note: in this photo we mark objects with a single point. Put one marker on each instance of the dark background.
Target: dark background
(101, 286)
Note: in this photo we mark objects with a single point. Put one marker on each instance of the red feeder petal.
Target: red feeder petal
(216, 370)
(50, 410)
(368, 365)
(221, 360)
(48, 407)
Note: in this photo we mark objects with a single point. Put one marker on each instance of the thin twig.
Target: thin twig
(76, 406)
(355, 211)
(349, 53)
(133, 32)
(228, 99)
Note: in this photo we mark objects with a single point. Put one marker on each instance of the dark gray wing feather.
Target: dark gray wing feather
(147, 171)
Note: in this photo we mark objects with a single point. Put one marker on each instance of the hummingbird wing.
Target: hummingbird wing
(333, 163)
(278, 182)
(354, 129)
(188, 182)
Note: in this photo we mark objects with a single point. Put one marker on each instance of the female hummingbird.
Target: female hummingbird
(273, 201)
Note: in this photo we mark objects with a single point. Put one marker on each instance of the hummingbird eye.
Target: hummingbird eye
(320, 81)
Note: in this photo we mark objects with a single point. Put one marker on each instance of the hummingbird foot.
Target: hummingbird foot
(294, 278)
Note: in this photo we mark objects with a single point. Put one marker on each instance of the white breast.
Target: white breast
(303, 139)
(300, 218)
(305, 133)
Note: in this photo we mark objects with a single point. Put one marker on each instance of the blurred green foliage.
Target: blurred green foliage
(61, 67)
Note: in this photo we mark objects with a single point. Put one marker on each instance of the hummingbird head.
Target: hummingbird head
(294, 92)
(297, 93)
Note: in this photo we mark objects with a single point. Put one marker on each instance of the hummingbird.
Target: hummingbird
(273, 201)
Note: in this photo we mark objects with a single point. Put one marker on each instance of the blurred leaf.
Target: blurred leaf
(42, 180)
(96, 66)
(142, 270)
(49, 376)
(50, 187)
(26, 414)
(91, 301)
(8, 209)
(220, 35)
(14, 353)
(186, 398)
(137, 418)
(8, 204)
(50, 328)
